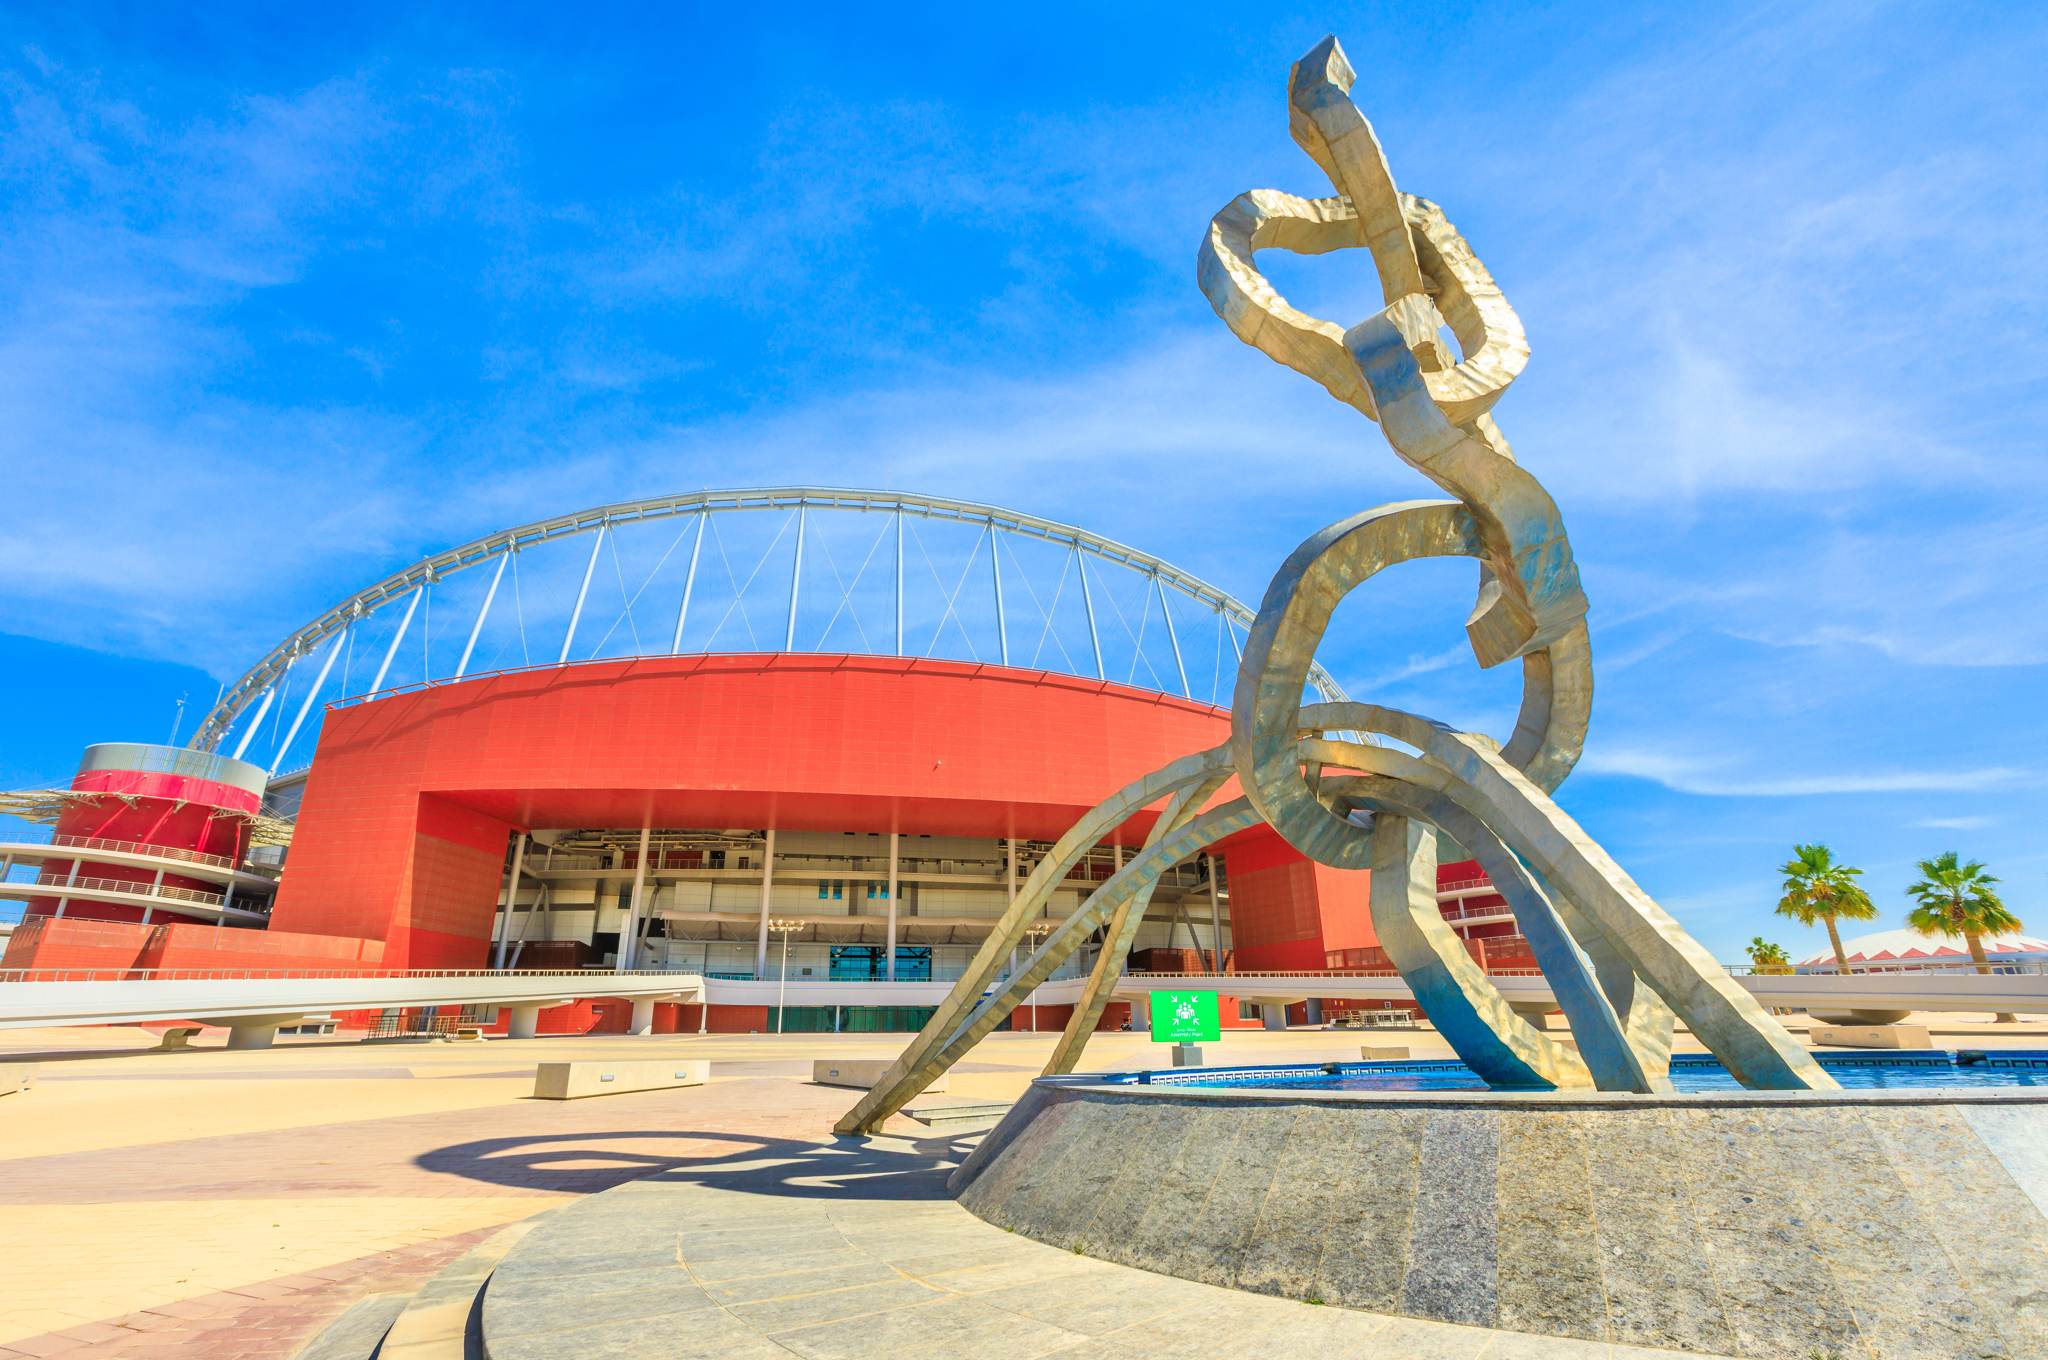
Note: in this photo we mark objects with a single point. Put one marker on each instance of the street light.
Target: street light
(785, 929)
(1037, 930)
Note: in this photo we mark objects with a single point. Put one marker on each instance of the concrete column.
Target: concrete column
(511, 897)
(629, 938)
(69, 878)
(1314, 1007)
(889, 961)
(767, 888)
(1141, 1013)
(1215, 922)
(643, 1017)
(1272, 1016)
(252, 1033)
(525, 1023)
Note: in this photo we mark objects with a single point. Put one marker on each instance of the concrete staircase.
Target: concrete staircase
(442, 1320)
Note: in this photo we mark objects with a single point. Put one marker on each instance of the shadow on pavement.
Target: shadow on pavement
(585, 1163)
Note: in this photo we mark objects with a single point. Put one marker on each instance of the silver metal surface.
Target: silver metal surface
(1617, 964)
(231, 717)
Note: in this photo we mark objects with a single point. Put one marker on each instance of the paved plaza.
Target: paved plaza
(224, 1204)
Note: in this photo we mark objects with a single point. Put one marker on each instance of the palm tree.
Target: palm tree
(1767, 957)
(1818, 889)
(1959, 899)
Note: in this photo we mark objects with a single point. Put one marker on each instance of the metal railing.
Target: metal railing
(126, 887)
(1299, 976)
(271, 670)
(141, 848)
(1463, 884)
(117, 974)
(1889, 968)
(1471, 913)
(397, 1022)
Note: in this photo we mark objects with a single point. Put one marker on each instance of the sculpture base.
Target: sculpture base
(1762, 1224)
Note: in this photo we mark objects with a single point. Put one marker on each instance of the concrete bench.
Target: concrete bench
(177, 1037)
(575, 1080)
(469, 1034)
(16, 1077)
(859, 1073)
(1383, 1052)
(1870, 1036)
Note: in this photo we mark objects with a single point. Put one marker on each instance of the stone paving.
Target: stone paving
(229, 1204)
(170, 1246)
(853, 1251)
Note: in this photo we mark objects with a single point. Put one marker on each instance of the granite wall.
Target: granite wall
(1781, 1225)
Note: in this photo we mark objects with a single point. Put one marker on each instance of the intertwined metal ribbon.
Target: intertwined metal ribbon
(1618, 965)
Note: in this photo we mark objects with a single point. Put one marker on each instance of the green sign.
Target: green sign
(1185, 1018)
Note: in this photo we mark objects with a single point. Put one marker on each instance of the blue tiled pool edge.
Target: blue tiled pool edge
(1961, 1069)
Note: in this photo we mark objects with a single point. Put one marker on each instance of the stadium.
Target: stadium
(800, 735)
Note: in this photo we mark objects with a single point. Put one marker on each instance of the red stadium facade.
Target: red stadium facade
(875, 812)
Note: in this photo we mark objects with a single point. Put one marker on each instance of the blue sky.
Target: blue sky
(294, 297)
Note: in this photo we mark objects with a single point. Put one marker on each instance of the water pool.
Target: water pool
(1967, 1068)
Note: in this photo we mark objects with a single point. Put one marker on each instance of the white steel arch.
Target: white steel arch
(270, 679)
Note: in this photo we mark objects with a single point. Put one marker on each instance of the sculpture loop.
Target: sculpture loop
(1618, 965)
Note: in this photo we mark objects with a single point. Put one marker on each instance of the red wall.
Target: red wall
(65, 942)
(153, 809)
(1286, 911)
(402, 831)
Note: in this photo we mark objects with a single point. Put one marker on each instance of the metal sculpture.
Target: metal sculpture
(1619, 966)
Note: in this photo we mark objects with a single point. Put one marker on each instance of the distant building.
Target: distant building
(1905, 950)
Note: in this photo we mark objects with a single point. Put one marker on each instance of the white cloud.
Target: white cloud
(1717, 779)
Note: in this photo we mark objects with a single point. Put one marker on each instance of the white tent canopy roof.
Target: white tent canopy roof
(1880, 946)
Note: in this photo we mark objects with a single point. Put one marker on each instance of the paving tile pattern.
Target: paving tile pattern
(245, 1245)
(1895, 1232)
(263, 1321)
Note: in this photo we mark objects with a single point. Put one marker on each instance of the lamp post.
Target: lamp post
(785, 929)
(1037, 930)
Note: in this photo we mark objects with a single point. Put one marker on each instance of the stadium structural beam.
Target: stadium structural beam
(796, 574)
(391, 652)
(582, 594)
(511, 898)
(1215, 921)
(1088, 603)
(483, 612)
(689, 585)
(256, 722)
(306, 704)
(629, 938)
(899, 609)
(1172, 635)
(995, 571)
(767, 894)
(889, 960)
(413, 584)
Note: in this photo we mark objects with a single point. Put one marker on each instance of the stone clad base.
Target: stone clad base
(1759, 1225)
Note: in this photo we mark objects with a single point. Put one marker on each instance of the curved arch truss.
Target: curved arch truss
(1618, 965)
(777, 569)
